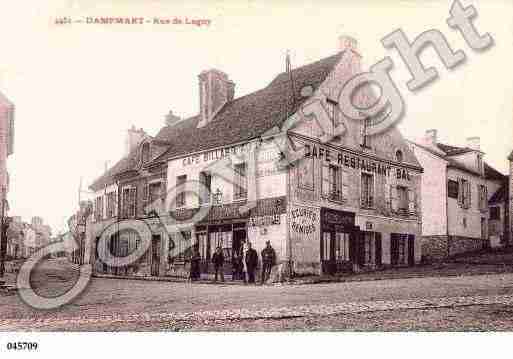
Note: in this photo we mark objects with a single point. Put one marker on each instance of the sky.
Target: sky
(78, 87)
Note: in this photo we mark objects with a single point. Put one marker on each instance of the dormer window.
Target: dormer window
(145, 153)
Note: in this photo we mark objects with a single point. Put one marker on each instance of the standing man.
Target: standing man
(218, 260)
(268, 260)
(251, 259)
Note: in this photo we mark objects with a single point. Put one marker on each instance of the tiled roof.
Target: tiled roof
(241, 119)
(499, 196)
(453, 150)
(492, 173)
(127, 163)
(248, 116)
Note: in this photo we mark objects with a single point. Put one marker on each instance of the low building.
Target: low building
(351, 203)
(456, 188)
(498, 206)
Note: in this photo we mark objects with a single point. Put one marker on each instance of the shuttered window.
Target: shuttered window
(205, 187)
(464, 193)
(240, 184)
(367, 190)
(180, 197)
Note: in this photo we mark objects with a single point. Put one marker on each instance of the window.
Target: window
(154, 191)
(342, 246)
(125, 202)
(334, 182)
(403, 200)
(367, 190)
(452, 189)
(495, 213)
(206, 188)
(402, 195)
(464, 222)
(99, 208)
(145, 153)
(464, 194)
(182, 247)
(326, 246)
(305, 173)
(399, 155)
(483, 197)
(240, 182)
(132, 202)
(111, 204)
(129, 202)
(180, 197)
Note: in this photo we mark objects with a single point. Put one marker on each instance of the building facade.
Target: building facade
(456, 189)
(219, 179)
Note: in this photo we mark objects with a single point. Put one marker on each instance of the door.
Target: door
(155, 255)
(379, 250)
(394, 249)
(411, 250)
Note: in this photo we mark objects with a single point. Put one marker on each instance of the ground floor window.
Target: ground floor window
(342, 246)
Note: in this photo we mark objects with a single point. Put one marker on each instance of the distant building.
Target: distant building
(457, 185)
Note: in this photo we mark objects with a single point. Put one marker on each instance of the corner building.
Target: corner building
(351, 203)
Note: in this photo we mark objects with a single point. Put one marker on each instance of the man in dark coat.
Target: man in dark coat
(268, 261)
(251, 259)
(218, 261)
(195, 264)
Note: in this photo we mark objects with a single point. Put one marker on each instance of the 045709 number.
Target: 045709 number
(22, 346)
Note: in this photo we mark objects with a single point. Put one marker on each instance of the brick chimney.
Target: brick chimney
(346, 42)
(133, 138)
(431, 137)
(171, 118)
(474, 143)
(215, 89)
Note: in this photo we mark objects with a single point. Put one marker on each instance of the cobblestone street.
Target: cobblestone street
(451, 303)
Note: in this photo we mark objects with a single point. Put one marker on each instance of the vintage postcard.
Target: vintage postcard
(254, 166)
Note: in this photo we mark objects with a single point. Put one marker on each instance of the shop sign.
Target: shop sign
(264, 220)
(213, 155)
(304, 220)
(353, 161)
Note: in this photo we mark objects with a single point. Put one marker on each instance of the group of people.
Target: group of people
(244, 263)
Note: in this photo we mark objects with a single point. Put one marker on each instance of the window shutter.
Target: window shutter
(469, 204)
(345, 184)
(460, 192)
(411, 202)
(325, 180)
(146, 193)
(363, 191)
(394, 201)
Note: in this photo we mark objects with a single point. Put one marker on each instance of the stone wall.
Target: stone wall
(435, 248)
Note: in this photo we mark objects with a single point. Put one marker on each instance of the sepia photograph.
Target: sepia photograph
(170, 171)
